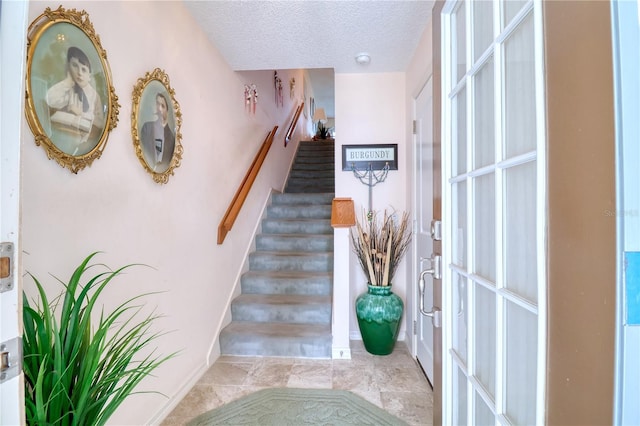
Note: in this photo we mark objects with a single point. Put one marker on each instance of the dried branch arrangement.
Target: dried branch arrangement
(380, 245)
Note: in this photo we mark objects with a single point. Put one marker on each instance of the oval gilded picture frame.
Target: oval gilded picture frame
(71, 105)
(155, 125)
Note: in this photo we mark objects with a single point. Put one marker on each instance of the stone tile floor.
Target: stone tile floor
(393, 382)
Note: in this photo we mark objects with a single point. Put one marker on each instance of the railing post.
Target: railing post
(342, 218)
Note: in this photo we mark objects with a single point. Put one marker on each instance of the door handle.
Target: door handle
(436, 266)
(436, 230)
(434, 314)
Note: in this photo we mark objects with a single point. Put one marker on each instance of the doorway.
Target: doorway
(423, 208)
(13, 30)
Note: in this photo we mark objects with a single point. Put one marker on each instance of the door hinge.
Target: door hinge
(415, 127)
(415, 327)
(6, 267)
(10, 359)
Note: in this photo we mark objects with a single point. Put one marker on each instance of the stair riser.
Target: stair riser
(324, 149)
(305, 314)
(275, 226)
(266, 242)
(305, 180)
(298, 212)
(312, 174)
(268, 262)
(315, 157)
(317, 146)
(314, 160)
(314, 199)
(297, 181)
(315, 347)
(307, 189)
(320, 157)
(312, 166)
(269, 286)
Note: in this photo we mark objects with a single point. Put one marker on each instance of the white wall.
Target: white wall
(371, 109)
(419, 71)
(114, 206)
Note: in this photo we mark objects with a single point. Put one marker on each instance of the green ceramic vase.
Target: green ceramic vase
(379, 311)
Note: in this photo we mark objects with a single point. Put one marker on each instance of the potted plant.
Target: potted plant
(380, 245)
(80, 363)
(323, 132)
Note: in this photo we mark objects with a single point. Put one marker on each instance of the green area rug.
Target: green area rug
(288, 406)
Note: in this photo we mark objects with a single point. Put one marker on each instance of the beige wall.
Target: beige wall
(114, 206)
(371, 109)
(581, 188)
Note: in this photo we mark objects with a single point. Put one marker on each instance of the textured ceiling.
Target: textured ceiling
(260, 35)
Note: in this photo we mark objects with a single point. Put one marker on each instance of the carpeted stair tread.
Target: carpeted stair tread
(307, 182)
(312, 167)
(282, 299)
(292, 254)
(290, 275)
(276, 339)
(299, 211)
(317, 144)
(316, 198)
(319, 156)
(299, 189)
(306, 174)
(313, 159)
(297, 226)
(292, 261)
(294, 242)
(279, 308)
(286, 282)
(283, 330)
(306, 150)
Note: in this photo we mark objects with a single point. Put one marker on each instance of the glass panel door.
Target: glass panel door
(493, 247)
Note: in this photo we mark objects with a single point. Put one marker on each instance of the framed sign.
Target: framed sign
(71, 105)
(363, 157)
(155, 125)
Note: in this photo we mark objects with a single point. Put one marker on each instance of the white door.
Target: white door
(13, 27)
(493, 213)
(423, 208)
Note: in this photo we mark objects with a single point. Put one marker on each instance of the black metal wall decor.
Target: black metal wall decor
(370, 164)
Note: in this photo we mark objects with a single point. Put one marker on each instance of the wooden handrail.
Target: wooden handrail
(293, 124)
(241, 195)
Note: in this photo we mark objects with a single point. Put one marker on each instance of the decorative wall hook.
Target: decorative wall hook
(370, 178)
(292, 88)
(277, 85)
(250, 98)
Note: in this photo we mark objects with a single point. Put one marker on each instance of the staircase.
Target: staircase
(284, 308)
(313, 169)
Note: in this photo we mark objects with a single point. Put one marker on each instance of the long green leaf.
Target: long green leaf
(78, 372)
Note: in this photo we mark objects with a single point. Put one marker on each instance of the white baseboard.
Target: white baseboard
(355, 335)
(340, 352)
(178, 396)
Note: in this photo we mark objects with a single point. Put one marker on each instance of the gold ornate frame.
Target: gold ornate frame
(145, 118)
(71, 123)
